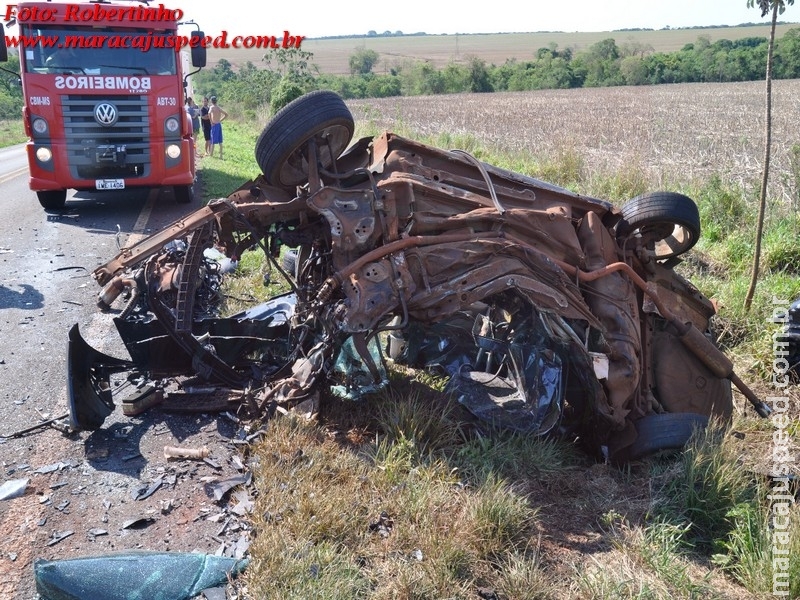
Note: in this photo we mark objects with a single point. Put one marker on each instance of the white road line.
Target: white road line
(137, 233)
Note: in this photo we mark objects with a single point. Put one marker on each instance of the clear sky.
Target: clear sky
(315, 18)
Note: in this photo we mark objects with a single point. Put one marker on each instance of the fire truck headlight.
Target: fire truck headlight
(39, 126)
(172, 125)
(173, 150)
(44, 154)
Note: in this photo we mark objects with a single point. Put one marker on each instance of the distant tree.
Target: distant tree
(286, 91)
(599, 65)
(10, 91)
(787, 56)
(777, 7)
(224, 70)
(479, 80)
(292, 62)
(362, 61)
(634, 70)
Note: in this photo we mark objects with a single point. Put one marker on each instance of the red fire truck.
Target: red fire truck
(104, 89)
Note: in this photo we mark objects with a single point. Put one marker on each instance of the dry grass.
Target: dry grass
(663, 134)
(378, 519)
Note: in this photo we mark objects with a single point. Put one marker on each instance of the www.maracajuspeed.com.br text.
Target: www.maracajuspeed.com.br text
(145, 42)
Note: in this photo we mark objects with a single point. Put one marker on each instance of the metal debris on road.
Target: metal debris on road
(137, 522)
(221, 488)
(96, 532)
(13, 488)
(144, 491)
(45, 423)
(59, 536)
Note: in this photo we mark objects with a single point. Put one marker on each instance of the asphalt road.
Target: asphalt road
(46, 287)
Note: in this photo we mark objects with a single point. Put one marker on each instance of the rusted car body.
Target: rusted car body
(563, 312)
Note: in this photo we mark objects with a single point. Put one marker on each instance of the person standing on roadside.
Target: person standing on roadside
(194, 113)
(216, 116)
(206, 123)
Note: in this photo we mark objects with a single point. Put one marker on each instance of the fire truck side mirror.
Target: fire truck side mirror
(198, 49)
(3, 49)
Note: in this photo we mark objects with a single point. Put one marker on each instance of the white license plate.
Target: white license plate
(109, 184)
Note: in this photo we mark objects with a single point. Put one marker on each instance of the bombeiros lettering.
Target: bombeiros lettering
(103, 82)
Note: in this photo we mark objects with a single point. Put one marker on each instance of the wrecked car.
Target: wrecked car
(551, 312)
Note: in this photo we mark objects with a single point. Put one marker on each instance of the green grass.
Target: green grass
(221, 177)
(12, 132)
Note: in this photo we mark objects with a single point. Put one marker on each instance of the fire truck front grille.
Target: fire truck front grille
(117, 149)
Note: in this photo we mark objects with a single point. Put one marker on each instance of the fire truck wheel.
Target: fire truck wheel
(52, 199)
(184, 194)
(280, 149)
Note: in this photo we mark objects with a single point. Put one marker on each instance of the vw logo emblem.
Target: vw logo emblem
(105, 114)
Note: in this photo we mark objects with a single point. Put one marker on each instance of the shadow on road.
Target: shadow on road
(28, 299)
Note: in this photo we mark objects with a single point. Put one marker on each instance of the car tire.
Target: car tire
(289, 262)
(669, 223)
(664, 432)
(52, 199)
(279, 150)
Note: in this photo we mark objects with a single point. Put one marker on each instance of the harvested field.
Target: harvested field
(331, 55)
(670, 133)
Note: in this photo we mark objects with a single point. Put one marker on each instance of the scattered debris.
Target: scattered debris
(178, 452)
(244, 505)
(240, 548)
(383, 526)
(58, 536)
(53, 467)
(221, 488)
(138, 522)
(143, 491)
(217, 593)
(44, 423)
(96, 532)
(13, 488)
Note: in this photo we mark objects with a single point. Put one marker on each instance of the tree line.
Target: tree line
(10, 91)
(605, 63)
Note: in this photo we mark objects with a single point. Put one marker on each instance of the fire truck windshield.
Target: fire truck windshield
(97, 51)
